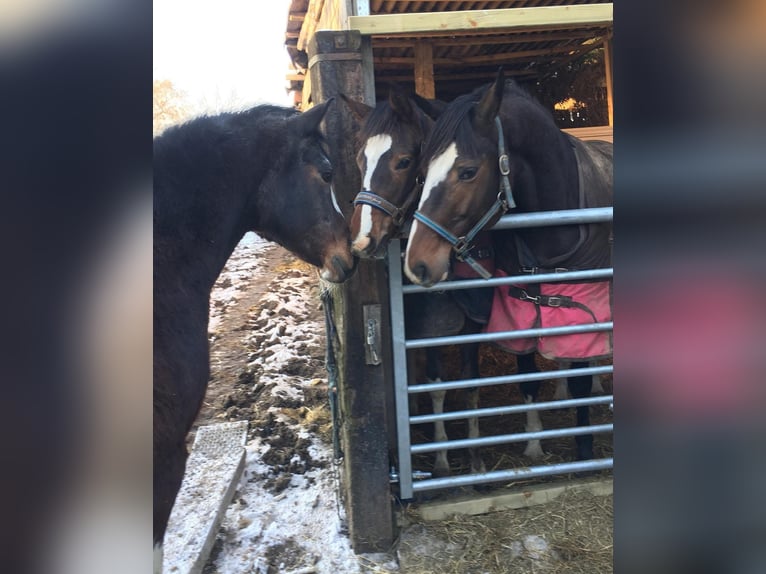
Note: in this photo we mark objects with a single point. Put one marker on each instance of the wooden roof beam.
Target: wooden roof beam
(509, 57)
(484, 40)
(474, 20)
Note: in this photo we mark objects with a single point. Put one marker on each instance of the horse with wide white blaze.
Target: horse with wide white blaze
(495, 151)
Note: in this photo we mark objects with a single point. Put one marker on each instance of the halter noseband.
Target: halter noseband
(462, 245)
(397, 214)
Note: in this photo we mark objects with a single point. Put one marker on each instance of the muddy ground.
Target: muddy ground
(267, 367)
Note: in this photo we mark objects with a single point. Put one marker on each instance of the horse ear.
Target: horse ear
(359, 109)
(489, 105)
(432, 108)
(308, 122)
(400, 103)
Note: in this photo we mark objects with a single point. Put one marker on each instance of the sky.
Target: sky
(226, 54)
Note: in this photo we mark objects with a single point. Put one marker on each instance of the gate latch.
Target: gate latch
(372, 336)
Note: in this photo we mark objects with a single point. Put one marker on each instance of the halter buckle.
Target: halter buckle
(504, 164)
(460, 247)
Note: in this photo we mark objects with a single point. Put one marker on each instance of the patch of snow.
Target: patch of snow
(307, 513)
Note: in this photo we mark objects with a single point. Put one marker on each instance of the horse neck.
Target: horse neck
(226, 205)
(546, 176)
(545, 164)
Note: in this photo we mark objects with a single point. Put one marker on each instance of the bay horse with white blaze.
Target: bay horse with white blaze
(390, 143)
(497, 150)
(266, 170)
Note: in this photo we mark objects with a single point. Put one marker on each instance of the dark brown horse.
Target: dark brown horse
(496, 150)
(390, 143)
(215, 178)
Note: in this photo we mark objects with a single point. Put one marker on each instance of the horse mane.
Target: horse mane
(451, 125)
(261, 116)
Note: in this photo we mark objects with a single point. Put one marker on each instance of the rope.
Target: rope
(331, 365)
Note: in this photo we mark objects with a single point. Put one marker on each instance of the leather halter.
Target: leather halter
(462, 245)
(397, 214)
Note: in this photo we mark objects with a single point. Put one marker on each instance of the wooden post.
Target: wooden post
(608, 72)
(424, 69)
(341, 62)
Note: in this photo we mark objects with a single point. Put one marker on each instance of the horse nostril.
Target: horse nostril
(421, 272)
(343, 269)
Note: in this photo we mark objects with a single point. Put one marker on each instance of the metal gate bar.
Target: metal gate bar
(512, 474)
(505, 335)
(512, 409)
(509, 438)
(404, 472)
(501, 379)
(550, 218)
(584, 275)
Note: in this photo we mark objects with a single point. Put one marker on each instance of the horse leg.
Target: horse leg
(580, 387)
(562, 392)
(433, 374)
(562, 385)
(529, 389)
(470, 370)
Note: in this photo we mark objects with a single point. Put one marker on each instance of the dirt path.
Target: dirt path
(267, 367)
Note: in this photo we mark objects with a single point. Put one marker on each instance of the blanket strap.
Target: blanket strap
(549, 300)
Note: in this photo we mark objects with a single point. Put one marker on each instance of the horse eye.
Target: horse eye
(404, 163)
(326, 176)
(467, 173)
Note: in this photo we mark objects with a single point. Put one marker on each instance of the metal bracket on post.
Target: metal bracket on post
(372, 336)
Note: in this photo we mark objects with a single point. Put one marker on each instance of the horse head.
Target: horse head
(461, 186)
(391, 138)
(304, 215)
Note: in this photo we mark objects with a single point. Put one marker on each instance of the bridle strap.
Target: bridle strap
(366, 197)
(505, 167)
(463, 245)
(460, 245)
(397, 214)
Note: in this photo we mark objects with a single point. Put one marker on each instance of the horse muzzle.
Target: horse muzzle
(338, 268)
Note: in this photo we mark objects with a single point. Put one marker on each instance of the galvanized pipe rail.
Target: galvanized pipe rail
(509, 410)
(407, 486)
(501, 379)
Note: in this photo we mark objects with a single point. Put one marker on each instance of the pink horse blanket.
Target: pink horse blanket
(593, 304)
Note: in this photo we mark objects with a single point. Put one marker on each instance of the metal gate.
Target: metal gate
(408, 482)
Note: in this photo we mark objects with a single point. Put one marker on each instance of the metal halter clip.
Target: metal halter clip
(527, 297)
(504, 164)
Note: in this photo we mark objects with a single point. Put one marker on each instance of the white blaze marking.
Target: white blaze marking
(374, 149)
(438, 170)
(335, 200)
(365, 226)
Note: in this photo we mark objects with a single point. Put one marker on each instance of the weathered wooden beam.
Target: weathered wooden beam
(508, 18)
(488, 75)
(484, 59)
(424, 70)
(341, 62)
(488, 38)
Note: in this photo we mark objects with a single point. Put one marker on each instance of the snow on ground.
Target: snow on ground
(295, 526)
